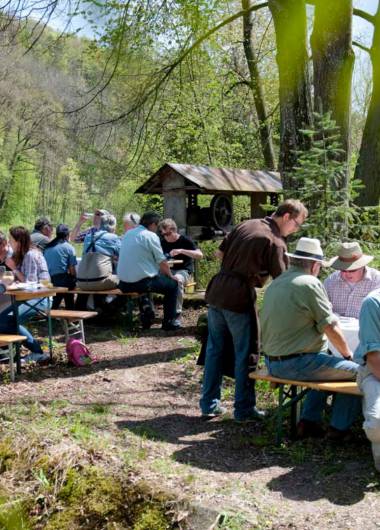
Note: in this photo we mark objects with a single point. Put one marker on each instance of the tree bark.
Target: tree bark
(289, 17)
(257, 88)
(368, 165)
(333, 63)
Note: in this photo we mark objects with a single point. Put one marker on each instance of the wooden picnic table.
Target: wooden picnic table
(21, 295)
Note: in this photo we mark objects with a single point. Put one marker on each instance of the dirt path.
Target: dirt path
(150, 385)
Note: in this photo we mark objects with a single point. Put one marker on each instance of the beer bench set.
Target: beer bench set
(290, 394)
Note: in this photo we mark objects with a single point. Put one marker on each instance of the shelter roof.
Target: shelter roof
(211, 180)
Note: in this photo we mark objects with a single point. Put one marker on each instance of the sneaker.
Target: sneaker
(217, 411)
(36, 358)
(309, 429)
(256, 415)
(171, 326)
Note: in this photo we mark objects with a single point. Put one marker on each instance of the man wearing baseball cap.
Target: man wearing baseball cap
(352, 281)
(296, 318)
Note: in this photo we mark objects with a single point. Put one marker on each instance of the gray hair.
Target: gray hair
(132, 218)
(108, 222)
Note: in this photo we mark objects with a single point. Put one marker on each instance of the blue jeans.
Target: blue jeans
(239, 325)
(158, 284)
(8, 325)
(321, 367)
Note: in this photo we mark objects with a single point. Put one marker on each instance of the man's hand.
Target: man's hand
(176, 252)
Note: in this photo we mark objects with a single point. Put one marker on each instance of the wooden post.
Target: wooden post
(173, 190)
(257, 199)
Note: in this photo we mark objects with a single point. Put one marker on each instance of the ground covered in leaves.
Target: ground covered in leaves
(121, 444)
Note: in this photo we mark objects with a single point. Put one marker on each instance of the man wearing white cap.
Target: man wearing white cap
(295, 319)
(352, 281)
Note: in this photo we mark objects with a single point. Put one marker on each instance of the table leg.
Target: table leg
(50, 330)
(18, 345)
(11, 354)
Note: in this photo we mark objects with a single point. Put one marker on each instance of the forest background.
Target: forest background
(86, 119)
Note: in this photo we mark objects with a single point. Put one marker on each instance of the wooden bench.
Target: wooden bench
(290, 394)
(68, 316)
(8, 341)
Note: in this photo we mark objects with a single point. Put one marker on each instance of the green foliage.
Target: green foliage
(321, 179)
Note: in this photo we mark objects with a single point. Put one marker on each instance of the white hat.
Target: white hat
(308, 248)
(350, 257)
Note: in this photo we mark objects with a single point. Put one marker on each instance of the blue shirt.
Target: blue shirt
(60, 257)
(140, 255)
(369, 327)
(105, 242)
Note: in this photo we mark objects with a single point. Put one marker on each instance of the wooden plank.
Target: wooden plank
(115, 292)
(72, 315)
(24, 295)
(9, 339)
(343, 387)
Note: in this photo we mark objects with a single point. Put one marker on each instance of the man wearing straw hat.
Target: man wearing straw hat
(352, 281)
(295, 319)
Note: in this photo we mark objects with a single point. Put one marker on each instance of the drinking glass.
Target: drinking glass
(32, 281)
(2, 270)
(8, 277)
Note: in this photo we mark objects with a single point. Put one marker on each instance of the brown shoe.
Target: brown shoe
(336, 435)
(309, 429)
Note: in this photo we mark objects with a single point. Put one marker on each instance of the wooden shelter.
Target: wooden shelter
(180, 185)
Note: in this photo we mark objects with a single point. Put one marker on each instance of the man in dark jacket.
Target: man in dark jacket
(252, 252)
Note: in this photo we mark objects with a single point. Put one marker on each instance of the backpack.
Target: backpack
(78, 354)
(94, 265)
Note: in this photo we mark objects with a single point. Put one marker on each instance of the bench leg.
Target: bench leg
(294, 411)
(11, 353)
(82, 331)
(280, 418)
(66, 329)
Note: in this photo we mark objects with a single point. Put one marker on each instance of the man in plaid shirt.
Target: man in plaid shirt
(353, 280)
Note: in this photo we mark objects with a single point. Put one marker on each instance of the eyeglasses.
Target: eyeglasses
(298, 225)
(165, 234)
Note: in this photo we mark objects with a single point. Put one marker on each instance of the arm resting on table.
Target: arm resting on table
(336, 337)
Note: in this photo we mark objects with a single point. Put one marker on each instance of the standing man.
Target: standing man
(42, 233)
(183, 249)
(143, 268)
(367, 354)
(352, 281)
(296, 318)
(252, 252)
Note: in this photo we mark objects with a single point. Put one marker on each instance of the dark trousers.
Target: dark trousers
(158, 284)
(63, 280)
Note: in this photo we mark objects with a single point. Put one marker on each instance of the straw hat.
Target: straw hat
(308, 248)
(350, 257)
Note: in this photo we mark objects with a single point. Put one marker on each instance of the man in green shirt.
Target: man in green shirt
(296, 318)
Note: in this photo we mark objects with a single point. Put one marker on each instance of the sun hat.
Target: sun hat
(309, 248)
(350, 257)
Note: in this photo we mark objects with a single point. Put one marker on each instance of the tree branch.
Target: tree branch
(361, 46)
(357, 12)
(167, 70)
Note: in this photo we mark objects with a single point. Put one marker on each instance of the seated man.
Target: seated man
(42, 233)
(353, 280)
(295, 317)
(143, 268)
(181, 248)
(367, 354)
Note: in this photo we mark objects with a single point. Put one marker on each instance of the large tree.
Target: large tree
(367, 168)
(333, 62)
(289, 17)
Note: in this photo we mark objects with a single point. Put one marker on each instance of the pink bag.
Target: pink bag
(78, 353)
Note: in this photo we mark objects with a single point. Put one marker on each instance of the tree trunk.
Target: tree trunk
(333, 63)
(289, 17)
(257, 88)
(368, 165)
